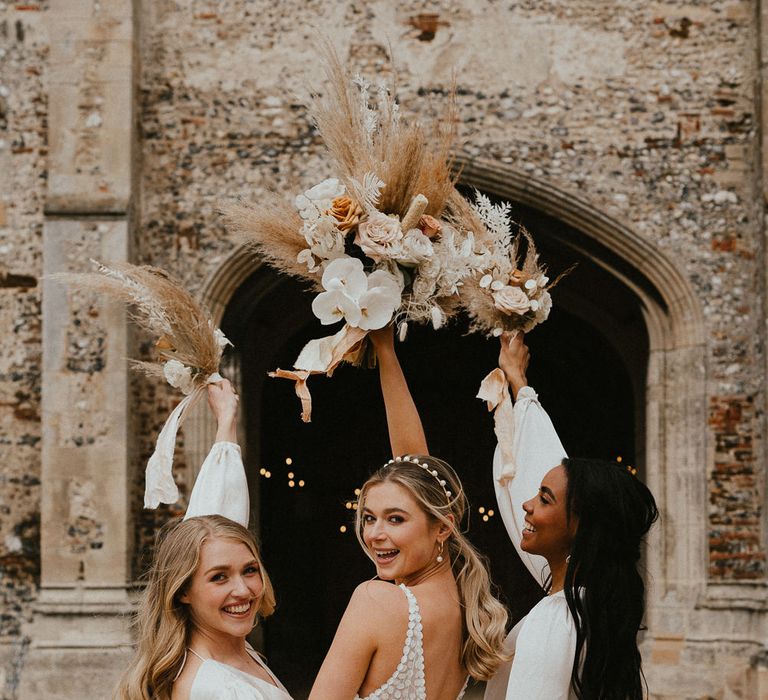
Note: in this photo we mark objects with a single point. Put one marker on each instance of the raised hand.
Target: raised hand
(513, 360)
(223, 402)
(383, 338)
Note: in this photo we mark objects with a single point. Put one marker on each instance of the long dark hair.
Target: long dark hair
(603, 587)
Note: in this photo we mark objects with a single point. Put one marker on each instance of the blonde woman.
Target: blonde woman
(205, 590)
(423, 638)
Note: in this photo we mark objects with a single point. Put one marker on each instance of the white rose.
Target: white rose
(416, 248)
(511, 300)
(379, 236)
(179, 376)
(318, 199)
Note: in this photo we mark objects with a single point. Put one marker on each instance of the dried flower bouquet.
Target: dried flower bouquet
(188, 344)
(389, 239)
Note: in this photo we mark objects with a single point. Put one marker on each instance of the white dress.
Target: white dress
(407, 682)
(217, 681)
(544, 641)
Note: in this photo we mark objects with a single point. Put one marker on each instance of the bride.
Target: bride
(439, 625)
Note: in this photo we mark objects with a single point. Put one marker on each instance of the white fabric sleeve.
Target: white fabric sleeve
(536, 449)
(221, 487)
(546, 646)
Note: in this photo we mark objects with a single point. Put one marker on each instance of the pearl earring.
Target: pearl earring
(440, 553)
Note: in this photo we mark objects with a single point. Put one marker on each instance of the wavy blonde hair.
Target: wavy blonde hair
(163, 623)
(485, 618)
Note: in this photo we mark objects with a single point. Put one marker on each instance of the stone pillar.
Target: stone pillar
(80, 633)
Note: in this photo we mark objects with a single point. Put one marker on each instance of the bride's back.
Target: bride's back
(393, 614)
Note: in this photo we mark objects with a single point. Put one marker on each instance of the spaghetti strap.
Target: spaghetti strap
(184, 662)
(192, 651)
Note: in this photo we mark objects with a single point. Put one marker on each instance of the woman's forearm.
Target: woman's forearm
(226, 430)
(406, 433)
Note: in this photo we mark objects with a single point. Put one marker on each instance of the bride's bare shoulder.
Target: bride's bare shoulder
(379, 597)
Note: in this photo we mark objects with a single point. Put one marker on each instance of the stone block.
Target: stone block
(91, 112)
(667, 651)
(85, 394)
(87, 673)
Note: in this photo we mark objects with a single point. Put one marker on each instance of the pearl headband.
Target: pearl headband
(425, 467)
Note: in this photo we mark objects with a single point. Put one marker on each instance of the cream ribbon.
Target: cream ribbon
(494, 390)
(321, 356)
(159, 486)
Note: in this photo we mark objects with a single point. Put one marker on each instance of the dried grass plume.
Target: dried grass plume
(183, 329)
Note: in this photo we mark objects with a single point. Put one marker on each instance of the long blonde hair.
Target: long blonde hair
(485, 618)
(164, 624)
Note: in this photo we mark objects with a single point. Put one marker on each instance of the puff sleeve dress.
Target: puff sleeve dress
(544, 641)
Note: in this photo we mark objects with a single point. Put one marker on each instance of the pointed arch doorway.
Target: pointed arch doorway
(590, 363)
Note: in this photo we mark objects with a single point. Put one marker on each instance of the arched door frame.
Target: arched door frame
(677, 449)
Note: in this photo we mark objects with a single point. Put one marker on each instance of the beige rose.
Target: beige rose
(511, 300)
(346, 212)
(379, 236)
(430, 226)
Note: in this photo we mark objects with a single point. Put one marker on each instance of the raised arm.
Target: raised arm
(221, 487)
(536, 449)
(406, 434)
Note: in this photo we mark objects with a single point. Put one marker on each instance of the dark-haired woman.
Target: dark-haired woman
(584, 520)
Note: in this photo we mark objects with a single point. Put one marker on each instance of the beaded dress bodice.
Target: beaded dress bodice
(407, 682)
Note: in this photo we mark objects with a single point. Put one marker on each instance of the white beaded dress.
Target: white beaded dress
(221, 488)
(544, 641)
(407, 682)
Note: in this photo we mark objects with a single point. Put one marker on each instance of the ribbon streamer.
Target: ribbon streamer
(495, 392)
(159, 486)
(321, 356)
(302, 390)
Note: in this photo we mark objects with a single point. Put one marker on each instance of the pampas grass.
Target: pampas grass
(362, 139)
(272, 228)
(158, 304)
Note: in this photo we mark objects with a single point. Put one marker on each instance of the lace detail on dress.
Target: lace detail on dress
(407, 682)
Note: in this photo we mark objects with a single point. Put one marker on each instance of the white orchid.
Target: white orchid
(179, 376)
(364, 301)
(318, 199)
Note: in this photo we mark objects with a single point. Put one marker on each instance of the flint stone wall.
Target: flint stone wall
(649, 112)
